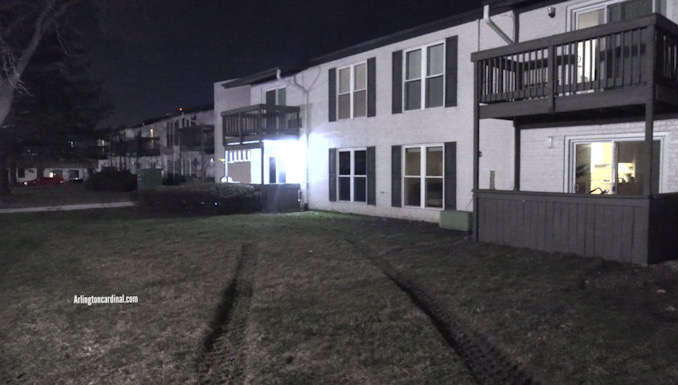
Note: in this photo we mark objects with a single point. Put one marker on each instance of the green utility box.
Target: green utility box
(455, 220)
(149, 178)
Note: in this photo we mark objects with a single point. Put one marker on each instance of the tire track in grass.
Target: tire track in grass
(221, 361)
(486, 363)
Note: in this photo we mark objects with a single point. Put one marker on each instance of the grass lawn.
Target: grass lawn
(65, 194)
(292, 299)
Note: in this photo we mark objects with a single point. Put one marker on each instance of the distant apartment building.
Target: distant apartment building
(180, 144)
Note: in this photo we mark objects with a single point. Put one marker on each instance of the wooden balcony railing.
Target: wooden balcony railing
(260, 121)
(615, 56)
(197, 138)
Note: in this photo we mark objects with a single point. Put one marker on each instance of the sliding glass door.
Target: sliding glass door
(613, 167)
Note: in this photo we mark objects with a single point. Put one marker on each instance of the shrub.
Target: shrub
(112, 180)
(205, 198)
(173, 179)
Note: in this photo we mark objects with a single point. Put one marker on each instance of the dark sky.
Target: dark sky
(158, 55)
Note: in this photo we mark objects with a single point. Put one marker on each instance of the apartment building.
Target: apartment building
(181, 144)
(551, 123)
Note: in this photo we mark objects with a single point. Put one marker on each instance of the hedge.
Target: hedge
(205, 198)
(112, 180)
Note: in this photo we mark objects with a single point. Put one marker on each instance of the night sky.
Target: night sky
(158, 55)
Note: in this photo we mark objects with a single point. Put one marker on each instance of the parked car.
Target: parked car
(46, 181)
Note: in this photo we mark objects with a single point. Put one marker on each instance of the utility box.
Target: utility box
(149, 178)
(455, 220)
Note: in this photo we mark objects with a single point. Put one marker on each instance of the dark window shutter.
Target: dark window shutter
(451, 47)
(396, 177)
(371, 87)
(333, 174)
(371, 176)
(397, 74)
(332, 86)
(451, 176)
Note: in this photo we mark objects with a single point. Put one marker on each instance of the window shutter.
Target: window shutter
(451, 47)
(451, 176)
(396, 177)
(371, 176)
(332, 87)
(371, 87)
(397, 74)
(333, 174)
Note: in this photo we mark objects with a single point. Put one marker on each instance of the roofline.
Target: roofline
(496, 7)
(261, 77)
(395, 37)
(170, 115)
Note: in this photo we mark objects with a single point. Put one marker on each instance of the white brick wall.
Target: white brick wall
(547, 169)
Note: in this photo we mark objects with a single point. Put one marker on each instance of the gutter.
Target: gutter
(495, 27)
(307, 126)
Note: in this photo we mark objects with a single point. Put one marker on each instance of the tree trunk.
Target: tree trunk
(12, 171)
(6, 97)
(4, 180)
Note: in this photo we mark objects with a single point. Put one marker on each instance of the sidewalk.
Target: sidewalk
(67, 207)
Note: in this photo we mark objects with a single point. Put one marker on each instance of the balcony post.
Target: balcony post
(649, 69)
(552, 78)
(476, 146)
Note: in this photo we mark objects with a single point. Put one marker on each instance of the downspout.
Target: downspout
(495, 27)
(307, 124)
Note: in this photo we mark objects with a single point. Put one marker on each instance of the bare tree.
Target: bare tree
(23, 24)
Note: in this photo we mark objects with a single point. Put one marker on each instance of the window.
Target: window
(424, 77)
(20, 172)
(73, 174)
(352, 91)
(276, 97)
(352, 175)
(613, 10)
(423, 176)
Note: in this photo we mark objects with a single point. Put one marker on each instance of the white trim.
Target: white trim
(351, 89)
(587, 6)
(422, 74)
(572, 141)
(352, 175)
(422, 175)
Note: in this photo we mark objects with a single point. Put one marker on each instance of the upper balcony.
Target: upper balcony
(197, 138)
(260, 121)
(577, 74)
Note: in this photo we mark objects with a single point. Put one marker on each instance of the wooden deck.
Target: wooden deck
(260, 121)
(612, 65)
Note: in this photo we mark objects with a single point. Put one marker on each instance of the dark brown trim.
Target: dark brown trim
(371, 87)
(397, 82)
(396, 176)
(451, 70)
(332, 94)
(332, 174)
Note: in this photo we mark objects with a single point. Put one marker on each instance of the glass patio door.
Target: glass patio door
(614, 167)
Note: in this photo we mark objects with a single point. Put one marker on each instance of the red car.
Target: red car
(46, 181)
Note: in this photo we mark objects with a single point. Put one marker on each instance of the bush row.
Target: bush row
(112, 180)
(203, 198)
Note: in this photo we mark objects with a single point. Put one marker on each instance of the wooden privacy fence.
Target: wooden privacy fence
(612, 227)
